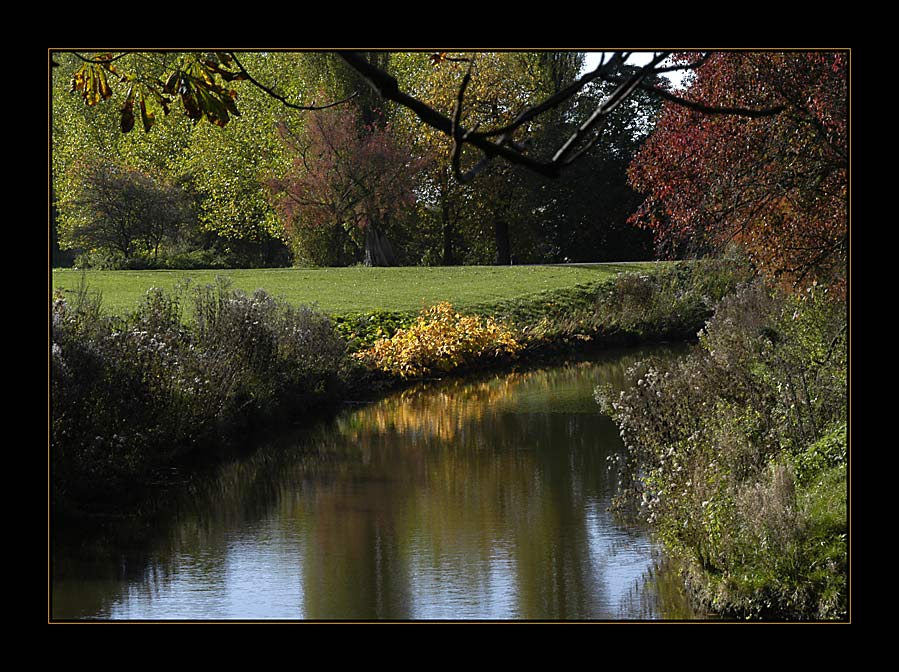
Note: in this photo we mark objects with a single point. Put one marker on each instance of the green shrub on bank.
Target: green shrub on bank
(737, 455)
(129, 396)
(362, 330)
(672, 301)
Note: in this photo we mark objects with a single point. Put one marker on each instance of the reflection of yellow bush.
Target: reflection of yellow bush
(440, 340)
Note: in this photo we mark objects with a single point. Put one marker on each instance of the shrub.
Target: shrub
(733, 451)
(440, 340)
(362, 330)
(673, 300)
(130, 395)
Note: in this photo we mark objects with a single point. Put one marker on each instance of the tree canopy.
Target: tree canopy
(202, 83)
(778, 185)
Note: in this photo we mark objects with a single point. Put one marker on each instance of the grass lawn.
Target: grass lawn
(356, 289)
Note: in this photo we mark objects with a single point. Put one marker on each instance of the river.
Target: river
(482, 498)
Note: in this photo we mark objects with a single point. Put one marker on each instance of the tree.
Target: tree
(527, 110)
(489, 218)
(220, 168)
(777, 185)
(582, 215)
(349, 186)
(124, 210)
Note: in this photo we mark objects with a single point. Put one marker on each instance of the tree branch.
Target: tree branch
(712, 109)
(271, 92)
(558, 98)
(569, 152)
(624, 91)
(100, 61)
(388, 87)
(457, 124)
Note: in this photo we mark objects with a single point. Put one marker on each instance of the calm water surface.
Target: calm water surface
(482, 499)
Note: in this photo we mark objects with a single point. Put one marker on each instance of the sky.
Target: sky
(637, 58)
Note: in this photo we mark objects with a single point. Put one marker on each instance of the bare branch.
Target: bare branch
(712, 109)
(100, 61)
(566, 154)
(282, 99)
(684, 66)
(458, 138)
(388, 87)
(558, 98)
(575, 146)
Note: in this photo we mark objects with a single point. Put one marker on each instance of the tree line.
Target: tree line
(361, 182)
(312, 161)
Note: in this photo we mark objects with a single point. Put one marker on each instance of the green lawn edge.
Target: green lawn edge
(353, 290)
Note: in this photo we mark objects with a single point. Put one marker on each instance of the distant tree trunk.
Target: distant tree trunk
(448, 235)
(503, 245)
(378, 250)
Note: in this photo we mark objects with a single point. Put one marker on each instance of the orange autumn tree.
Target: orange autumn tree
(776, 184)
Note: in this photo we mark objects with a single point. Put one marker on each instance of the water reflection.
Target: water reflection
(482, 499)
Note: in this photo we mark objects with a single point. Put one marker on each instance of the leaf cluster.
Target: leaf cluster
(199, 81)
(439, 341)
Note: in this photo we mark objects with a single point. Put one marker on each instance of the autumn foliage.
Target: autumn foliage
(776, 184)
(346, 181)
(440, 340)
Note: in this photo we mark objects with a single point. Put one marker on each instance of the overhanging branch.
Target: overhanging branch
(271, 92)
(497, 142)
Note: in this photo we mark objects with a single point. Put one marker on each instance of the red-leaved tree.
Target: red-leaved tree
(349, 186)
(775, 184)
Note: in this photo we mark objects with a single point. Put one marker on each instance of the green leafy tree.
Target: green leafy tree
(480, 221)
(221, 168)
(126, 211)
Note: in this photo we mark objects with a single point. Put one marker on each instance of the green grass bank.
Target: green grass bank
(353, 290)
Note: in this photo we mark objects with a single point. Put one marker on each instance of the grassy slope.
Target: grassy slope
(351, 290)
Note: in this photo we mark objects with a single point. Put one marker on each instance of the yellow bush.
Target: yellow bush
(440, 340)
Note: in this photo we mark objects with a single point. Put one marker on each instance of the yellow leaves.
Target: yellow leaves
(90, 79)
(198, 82)
(440, 340)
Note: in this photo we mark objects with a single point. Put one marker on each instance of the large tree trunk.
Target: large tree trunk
(503, 245)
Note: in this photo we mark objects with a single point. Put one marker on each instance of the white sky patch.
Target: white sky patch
(592, 59)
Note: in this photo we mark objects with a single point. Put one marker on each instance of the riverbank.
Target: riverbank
(484, 496)
(134, 395)
(738, 456)
(738, 453)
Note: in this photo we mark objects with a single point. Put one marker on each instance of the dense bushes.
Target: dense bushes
(673, 301)
(737, 454)
(131, 395)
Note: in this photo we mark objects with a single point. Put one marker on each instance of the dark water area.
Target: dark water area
(471, 499)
